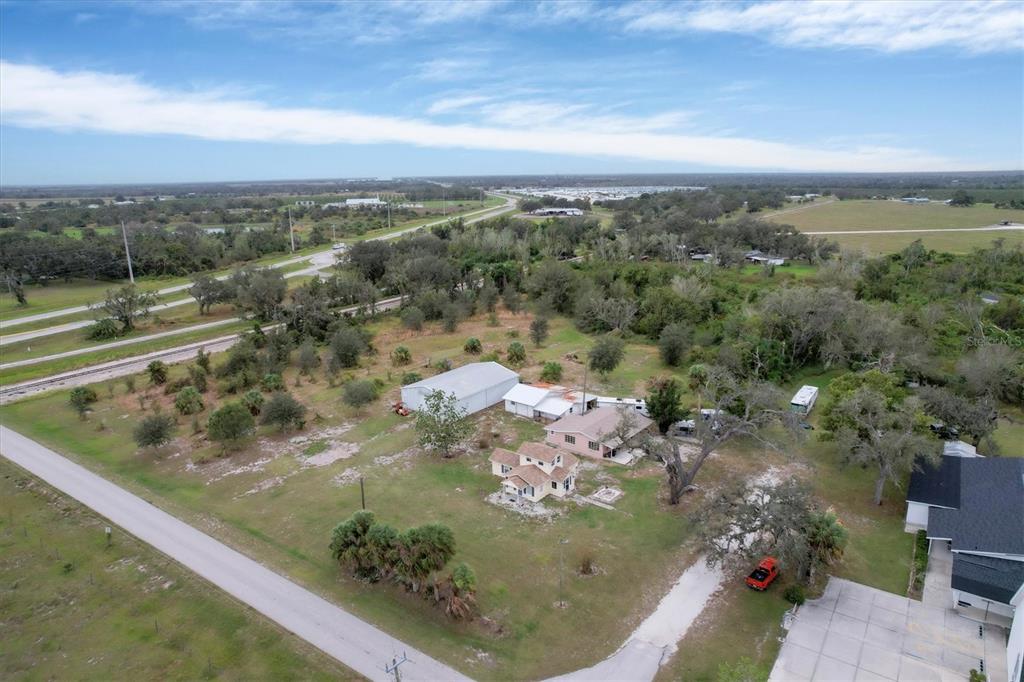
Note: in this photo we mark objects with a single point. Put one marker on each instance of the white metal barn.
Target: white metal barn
(804, 400)
(477, 386)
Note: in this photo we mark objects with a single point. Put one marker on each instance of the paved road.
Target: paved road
(991, 228)
(117, 344)
(354, 642)
(319, 261)
(137, 363)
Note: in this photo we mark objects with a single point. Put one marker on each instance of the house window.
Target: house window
(594, 445)
(567, 483)
(571, 440)
(528, 459)
(558, 460)
(505, 468)
(554, 485)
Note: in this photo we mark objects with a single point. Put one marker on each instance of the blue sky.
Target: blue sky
(179, 90)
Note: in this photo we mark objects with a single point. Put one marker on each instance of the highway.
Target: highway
(137, 363)
(318, 261)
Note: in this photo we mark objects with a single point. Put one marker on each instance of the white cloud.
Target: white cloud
(454, 103)
(887, 25)
(448, 69)
(39, 97)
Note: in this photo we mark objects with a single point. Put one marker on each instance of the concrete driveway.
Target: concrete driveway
(855, 632)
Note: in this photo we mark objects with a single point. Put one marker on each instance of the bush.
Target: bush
(358, 393)
(272, 382)
(412, 318)
(81, 398)
(606, 354)
(157, 373)
(443, 365)
(172, 387)
(103, 330)
(552, 372)
(253, 401)
(794, 594)
(400, 356)
(154, 431)
(188, 401)
(539, 330)
(197, 375)
(129, 383)
(230, 424)
(920, 558)
(473, 346)
(347, 345)
(451, 315)
(674, 343)
(516, 354)
(411, 378)
(284, 412)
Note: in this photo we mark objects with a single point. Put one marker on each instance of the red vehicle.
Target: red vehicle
(765, 573)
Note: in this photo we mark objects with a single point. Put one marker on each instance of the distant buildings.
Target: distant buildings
(756, 256)
(915, 200)
(555, 211)
(305, 203)
(372, 202)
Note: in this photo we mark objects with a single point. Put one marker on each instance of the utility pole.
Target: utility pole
(392, 667)
(561, 571)
(124, 235)
(334, 232)
(444, 201)
(389, 213)
(291, 228)
(362, 493)
(586, 369)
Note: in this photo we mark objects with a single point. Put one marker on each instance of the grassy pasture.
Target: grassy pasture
(867, 214)
(77, 609)
(945, 241)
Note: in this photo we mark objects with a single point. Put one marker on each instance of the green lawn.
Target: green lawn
(638, 547)
(893, 215)
(74, 608)
(950, 242)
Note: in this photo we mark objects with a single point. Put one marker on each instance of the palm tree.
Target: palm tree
(826, 538)
(349, 543)
(423, 550)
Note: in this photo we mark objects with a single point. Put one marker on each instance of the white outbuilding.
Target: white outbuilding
(476, 386)
(804, 400)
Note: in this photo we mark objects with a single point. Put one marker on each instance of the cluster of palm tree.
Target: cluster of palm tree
(375, 551)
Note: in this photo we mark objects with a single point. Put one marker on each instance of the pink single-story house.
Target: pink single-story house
(535, 471)
(593, 434)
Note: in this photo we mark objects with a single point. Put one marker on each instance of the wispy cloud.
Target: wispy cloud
(886, 25)
(39, 97)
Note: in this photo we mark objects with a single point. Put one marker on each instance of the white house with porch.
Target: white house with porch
(535, 471)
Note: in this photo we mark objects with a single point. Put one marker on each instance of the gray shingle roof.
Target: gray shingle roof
(989, 577)
(990, 516)
(936, 485)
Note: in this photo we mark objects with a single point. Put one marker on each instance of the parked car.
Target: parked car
(765, 573)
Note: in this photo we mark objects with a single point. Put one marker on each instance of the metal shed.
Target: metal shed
(477, 386)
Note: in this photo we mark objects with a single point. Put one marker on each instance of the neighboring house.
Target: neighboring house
(976, 504)
(756, 256)
(543, 402)
(535, 471)
(477, 386)
(593, 434)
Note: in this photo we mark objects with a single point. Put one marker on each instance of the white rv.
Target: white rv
(803, 401)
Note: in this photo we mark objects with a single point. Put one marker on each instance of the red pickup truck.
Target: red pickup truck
(766, 572)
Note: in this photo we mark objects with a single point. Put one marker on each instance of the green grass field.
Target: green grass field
(263, 501)
(74, 608)
(893, 215)
(946, 241)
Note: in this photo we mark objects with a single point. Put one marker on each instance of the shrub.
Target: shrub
(157, 373)
(272, 382)
(451, 315)
(188, 401)
(794, 594)
(172, 387)
(552, 371)
(347, 345)
(443, 365)
(411, 378)
(412, 318)
(197, 375)
(203, 360)
(516, 354)
(284, 412)
(154, 431)
(230, 424)
(103, 330)
(400, 356)
(920, 558)
(606, 354)
(674, 343)
(309, 358)
(358, 393)
(539, 330)
(473, 346)
(253, 401)
(129, 383)
(81, 398)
